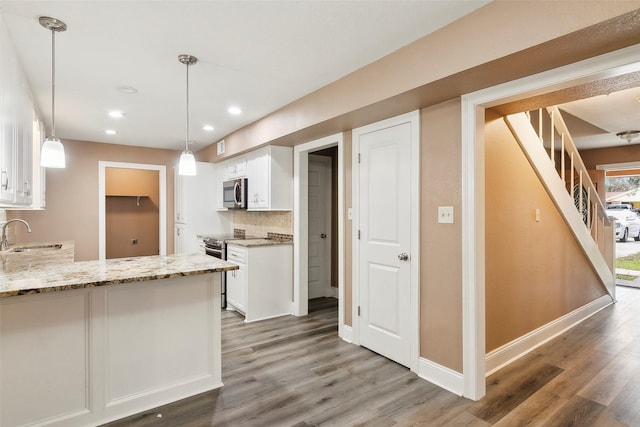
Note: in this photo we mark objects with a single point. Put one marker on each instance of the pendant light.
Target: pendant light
(52, 154)
(187, 164)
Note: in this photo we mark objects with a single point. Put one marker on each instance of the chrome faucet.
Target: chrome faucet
(5, 243)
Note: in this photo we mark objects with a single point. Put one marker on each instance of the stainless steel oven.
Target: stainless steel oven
(217, 247)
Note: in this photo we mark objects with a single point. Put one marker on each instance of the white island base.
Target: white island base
(88, 356)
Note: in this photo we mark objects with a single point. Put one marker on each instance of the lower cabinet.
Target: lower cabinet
(262, 287)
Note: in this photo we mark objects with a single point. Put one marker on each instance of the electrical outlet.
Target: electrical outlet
(134, 241)
(445, 214)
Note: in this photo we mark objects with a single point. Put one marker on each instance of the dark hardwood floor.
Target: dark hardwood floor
(297, 372)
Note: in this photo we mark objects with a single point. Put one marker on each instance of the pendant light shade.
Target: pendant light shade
(187, 163)
(52, 153)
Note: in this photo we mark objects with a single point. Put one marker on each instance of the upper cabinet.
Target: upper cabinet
(21, 177)
(236, 167)
(270, 179)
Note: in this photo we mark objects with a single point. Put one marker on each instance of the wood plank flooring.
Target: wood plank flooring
(297, 372)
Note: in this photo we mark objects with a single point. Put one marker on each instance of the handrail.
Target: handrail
(568, 146)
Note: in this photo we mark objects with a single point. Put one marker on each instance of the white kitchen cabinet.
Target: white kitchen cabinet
(236, 167)
(270, 179)
(195, 207)
(180, 238)
(237, 279)
(221, 176)
(21, 185)
(262, 287)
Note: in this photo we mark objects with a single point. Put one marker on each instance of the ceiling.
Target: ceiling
(604, 117)
(256, 55)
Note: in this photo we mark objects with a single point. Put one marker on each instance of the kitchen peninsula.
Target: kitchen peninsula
(84, 343)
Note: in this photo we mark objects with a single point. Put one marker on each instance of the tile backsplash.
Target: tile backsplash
(260, 224)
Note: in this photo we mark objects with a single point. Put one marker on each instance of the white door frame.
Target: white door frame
(162, 181)
(413, 118)
(616, 63)
(301, 224)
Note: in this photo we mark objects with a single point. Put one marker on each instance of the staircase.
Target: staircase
(566, 179)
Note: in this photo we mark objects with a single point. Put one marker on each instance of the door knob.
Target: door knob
(403, 256)
(323, 236)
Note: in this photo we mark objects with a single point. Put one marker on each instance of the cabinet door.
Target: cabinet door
(237, 287)
(237, 167)
(237, 279)
(221, 176)
(179, 195)
(24, 172)
(180, 239)
(258, 179)
(7, 162)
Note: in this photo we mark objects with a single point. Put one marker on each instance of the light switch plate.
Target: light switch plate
(350, 213)
(445, 214)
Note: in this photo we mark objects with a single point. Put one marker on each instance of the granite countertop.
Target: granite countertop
(24, 256)
(89, 274)
(253, 243)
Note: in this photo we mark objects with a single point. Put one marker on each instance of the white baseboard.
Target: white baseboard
(441, 376)
(346, 333)
(509, 352)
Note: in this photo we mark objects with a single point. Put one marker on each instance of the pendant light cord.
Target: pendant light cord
(53, 83)
(186, 142)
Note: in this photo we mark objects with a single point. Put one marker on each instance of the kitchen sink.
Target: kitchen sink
(36, 248)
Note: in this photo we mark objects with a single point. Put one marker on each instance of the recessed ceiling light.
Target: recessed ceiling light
(116, 114)
(129, 90)
(110, 132)
(234, 110)
(208, 128)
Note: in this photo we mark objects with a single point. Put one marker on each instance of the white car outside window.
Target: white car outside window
(627, 224)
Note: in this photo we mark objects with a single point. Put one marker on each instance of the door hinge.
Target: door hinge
(358, 234)
(358, 310)
(358, 157)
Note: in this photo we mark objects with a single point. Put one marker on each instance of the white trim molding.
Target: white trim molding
(441, 376)
(346, 333)
(517, 348)
(162, 209)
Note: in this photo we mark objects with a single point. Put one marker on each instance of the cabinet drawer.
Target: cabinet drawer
(236, 254)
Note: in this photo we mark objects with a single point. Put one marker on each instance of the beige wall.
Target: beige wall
(605, 156)
(72, 195)
(441, 244)
(535, 271)
(132, 212)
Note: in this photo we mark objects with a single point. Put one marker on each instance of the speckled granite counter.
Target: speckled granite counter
(23, 257)
(253, 243)
(87, 274)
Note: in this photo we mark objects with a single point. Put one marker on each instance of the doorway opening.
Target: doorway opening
(132, 210)
(334, 146)
(323, 223)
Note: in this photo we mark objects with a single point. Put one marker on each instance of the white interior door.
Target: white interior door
(385, 240)
(319, 264)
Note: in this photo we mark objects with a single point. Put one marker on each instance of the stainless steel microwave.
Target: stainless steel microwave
(234, 193)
